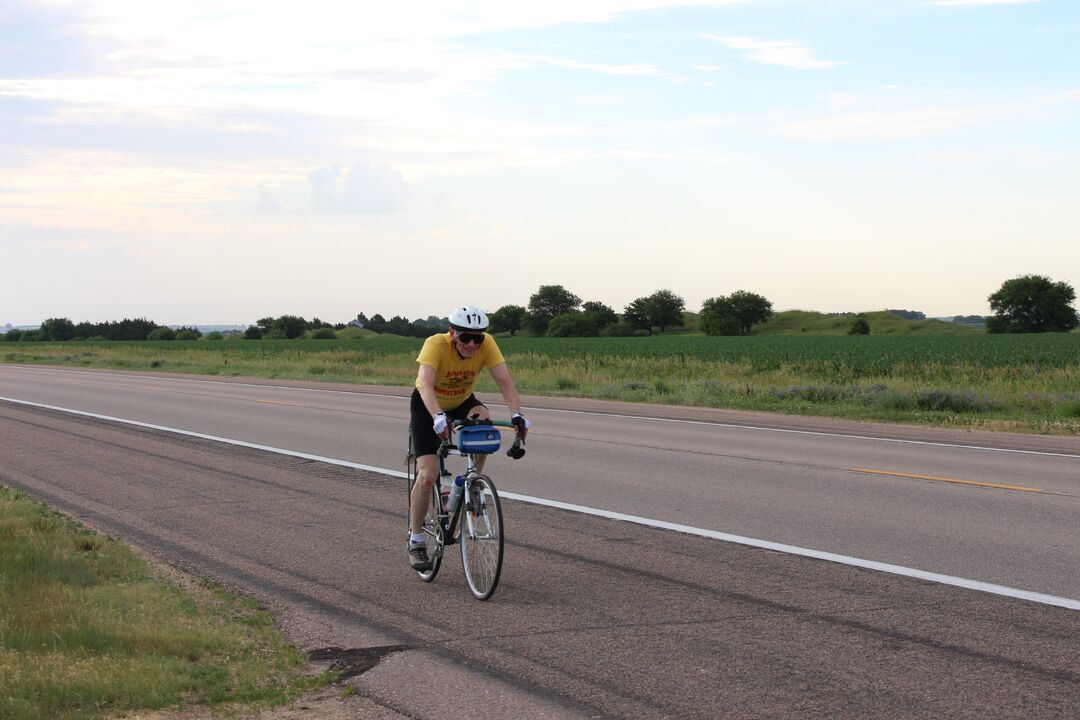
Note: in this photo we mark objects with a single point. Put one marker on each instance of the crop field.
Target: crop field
(855, 354)
(1014, 382)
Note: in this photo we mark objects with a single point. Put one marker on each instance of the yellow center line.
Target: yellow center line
(977, 483)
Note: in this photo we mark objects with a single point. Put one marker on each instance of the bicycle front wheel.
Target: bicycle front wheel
(481, 536)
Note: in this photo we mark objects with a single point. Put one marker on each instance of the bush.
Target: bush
(572, 324)
(188, 333)
(162, 333)
(215, 335)
(859, 326)
(618, 329)
(254, 332)
(323, 333)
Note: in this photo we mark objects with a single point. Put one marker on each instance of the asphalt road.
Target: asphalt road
(597, 617)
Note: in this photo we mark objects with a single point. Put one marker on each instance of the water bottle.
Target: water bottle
(455, 494)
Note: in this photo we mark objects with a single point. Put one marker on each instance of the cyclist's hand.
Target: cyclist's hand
(439, 425)
(521, 423)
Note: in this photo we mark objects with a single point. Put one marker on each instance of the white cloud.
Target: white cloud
(639, 70)
(888, 125)
(378, 83)
(368, 189)
(775, 52)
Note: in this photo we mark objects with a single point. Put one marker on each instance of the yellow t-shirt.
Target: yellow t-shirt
(454, 375)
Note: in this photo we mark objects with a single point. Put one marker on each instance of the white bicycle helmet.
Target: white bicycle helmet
(468, 317)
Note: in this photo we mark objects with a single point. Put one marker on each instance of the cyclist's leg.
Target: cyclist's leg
(424, 445)
(427, 470)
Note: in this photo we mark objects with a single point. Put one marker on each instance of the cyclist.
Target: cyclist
(449, 365)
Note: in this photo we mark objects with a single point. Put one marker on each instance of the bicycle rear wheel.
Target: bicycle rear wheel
(481, 536)
(433, 535)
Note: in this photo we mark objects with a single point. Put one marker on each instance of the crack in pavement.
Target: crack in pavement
(352, 662)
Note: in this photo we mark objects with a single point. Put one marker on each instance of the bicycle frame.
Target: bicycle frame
(449, 524)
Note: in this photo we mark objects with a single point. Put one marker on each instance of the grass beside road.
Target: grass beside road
(89, 630)
(1027, 383)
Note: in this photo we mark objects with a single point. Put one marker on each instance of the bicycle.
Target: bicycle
(475, 522)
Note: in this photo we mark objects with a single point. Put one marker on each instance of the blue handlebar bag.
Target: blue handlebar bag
(479, 439)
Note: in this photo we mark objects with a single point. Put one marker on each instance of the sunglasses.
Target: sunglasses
(474, 338)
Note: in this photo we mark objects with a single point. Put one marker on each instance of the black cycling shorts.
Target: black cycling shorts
(422, 435)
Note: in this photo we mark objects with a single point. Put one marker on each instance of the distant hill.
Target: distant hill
(351, 333)
(804, 322)
(216, 328)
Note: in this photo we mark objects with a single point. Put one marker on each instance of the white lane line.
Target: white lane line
(820, 433)
(806, 552)
(648, 522)
(142, 376)
(707, 423)
(215, 438)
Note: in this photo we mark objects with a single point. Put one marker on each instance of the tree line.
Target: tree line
(1025, 304)
(554, 311)
(63, 329)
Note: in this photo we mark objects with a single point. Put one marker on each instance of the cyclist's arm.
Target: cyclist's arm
(426, 377)
(506, 386)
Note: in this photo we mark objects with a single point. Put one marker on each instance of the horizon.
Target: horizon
(165, 161)
(242, 326)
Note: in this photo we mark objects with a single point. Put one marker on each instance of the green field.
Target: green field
(970, 379)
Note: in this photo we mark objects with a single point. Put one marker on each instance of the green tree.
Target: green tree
(548, 302)
(188, 333)
(636, 315)
(60, 329)
(859, 326)
(377, 323)
(398, 325)
(572, 324)
(162, 333)
(734, 314)
(254, 332)
(599, 314)
(1032, 304)
(508, 318)
(665, 309)
(292, 325)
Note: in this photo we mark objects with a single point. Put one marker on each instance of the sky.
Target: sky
(214, 161)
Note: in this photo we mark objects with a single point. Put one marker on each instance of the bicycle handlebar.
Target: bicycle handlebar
(516, 451)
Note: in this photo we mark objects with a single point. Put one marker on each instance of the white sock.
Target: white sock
(416, 538)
